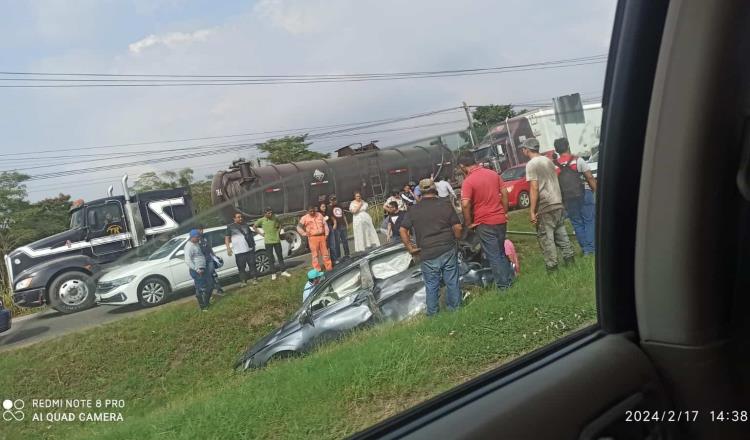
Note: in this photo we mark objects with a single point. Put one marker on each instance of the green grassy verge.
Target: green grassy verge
(173, 367)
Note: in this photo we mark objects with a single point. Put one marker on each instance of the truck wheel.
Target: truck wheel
(153, 292)
(262, 263)
(72, 292)
(523, 199)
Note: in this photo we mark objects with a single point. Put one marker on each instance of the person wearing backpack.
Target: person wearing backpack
(574, 172)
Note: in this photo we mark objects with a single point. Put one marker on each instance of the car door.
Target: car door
(216, 238)
(178, 269)
(398, 289)
(106, 228)
(341, 305)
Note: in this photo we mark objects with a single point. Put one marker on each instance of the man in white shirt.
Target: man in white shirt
(242, 240)
(444, 189)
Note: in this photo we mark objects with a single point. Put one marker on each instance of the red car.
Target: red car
(514, 181)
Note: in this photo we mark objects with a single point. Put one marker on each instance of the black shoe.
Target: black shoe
(569, 260)
(551, 269)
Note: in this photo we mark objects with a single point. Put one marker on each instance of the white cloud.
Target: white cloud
(169, 40)
(297, 17)
(301, 37)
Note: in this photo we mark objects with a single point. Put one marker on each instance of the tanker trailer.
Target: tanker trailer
(289, 188)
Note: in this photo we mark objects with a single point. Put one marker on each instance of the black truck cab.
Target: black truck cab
(60, 270)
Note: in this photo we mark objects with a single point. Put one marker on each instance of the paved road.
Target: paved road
(50, 323)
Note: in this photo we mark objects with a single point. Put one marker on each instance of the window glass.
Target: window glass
(342, 286)
(215, 238)
(76, 219)
(167, 248)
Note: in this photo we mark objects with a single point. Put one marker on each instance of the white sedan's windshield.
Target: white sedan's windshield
(166, 248)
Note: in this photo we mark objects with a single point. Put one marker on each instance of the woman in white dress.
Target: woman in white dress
(364, 231)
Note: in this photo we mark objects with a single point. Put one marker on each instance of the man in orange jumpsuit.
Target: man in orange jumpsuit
(313, 226)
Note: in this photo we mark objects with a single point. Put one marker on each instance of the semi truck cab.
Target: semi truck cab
(60, 270)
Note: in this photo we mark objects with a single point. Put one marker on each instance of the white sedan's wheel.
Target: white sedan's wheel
(262, 263)
(152, 292)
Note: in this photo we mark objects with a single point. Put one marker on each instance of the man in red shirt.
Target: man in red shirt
(484, 205)
(313, 226)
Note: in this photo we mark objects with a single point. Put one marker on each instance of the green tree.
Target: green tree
(485, 117)
(22, 222)
(289, 149)
(151, 181)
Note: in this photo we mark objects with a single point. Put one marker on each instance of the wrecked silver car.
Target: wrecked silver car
(384, 284)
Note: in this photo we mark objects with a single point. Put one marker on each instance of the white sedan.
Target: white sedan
(150, 280)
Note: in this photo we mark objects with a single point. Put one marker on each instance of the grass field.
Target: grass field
(173, 367)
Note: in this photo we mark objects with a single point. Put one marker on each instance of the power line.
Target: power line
(229, 148)
(316, 76)
(115, 178)
(183, 156)
(300, 129)
(487, 71)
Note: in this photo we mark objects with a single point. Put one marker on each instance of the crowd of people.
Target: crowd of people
(424, 218)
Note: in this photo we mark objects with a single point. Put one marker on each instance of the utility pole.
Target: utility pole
(471, 125)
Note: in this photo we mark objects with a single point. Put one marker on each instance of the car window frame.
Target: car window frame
(327, 284)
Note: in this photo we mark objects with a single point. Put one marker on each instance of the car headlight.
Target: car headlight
(23, 283)
(121, 281)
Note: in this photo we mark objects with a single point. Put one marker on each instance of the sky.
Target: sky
(42, 127)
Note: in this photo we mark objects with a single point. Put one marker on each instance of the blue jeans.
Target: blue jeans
(589, 218)
(444, 267)
(580, 211)
(341, 240)
(334, 250)
(201, 287)
(492, 238)
(210, 280)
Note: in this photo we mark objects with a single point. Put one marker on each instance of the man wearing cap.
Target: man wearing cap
(546, 208)
(196, 263)
(313, 226)
(484, 204)
(272, 239)
(437, 228)
(314, 277)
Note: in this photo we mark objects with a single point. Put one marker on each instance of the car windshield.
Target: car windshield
(481, 153)
(76, 219)
(166, 248)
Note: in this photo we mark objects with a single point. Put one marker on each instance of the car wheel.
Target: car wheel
(262, 263)
(524, 200)
(296, 242)
(72, 292)
(153, 292)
